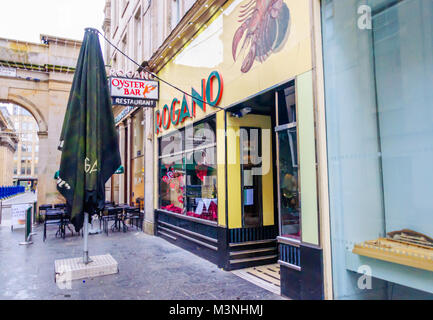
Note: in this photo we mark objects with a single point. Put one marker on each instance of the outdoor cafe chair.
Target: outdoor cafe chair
(134, 215)
(53, 217)
(112, 214)
(44, 208)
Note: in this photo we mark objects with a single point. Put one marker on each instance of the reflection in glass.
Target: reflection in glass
(289, 188)
(172, 185)
(201, 184)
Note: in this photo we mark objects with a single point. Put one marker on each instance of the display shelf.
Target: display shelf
(396, 252)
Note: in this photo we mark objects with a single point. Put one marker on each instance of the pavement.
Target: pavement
(149, 268)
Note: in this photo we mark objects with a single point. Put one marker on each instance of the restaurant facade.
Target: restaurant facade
(235, 152)
(297, 133)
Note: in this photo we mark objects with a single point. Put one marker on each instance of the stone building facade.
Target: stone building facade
(38, 77)
(8, 145)
(138, 28)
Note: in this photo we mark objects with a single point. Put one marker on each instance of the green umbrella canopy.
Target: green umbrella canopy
(89, 144)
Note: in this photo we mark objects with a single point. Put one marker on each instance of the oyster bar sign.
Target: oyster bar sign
(133, 89)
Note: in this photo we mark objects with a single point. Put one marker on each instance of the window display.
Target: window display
(188, 171)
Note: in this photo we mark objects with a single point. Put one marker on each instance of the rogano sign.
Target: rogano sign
(211, 94)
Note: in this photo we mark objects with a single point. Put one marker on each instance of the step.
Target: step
(249, 243)
(252, 251)
(253, 259)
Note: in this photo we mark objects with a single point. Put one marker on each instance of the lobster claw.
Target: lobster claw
(237, 38)
(249, 60)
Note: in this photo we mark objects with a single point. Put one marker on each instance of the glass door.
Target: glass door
(251, 177)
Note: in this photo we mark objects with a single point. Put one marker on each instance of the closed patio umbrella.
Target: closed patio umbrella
(89, 144)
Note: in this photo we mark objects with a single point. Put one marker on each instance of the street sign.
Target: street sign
(134, 92)
(8, 72)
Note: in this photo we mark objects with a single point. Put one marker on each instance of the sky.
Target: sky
(26, 19)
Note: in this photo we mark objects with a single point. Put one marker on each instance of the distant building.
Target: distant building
(8, 145)
(26, 156)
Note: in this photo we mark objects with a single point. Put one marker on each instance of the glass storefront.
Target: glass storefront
(188, 171)
(380, 146)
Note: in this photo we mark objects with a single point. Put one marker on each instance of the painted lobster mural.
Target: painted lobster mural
(266, 26)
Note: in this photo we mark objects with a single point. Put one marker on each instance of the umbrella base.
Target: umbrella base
(68, 270)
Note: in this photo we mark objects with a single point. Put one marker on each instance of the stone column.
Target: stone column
(44, 148)
(122, 157)
(149, 214)
(129, 157)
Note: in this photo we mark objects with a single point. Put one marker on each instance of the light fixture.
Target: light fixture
(242, 112)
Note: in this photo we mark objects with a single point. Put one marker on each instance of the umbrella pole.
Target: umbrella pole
(86, 259)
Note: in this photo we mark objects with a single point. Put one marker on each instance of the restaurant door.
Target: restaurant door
(251, 188)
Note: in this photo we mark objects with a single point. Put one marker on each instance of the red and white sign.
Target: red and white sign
(134, 88)
(134, 92)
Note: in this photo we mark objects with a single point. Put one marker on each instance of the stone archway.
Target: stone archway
(39, 80)
(32, 108)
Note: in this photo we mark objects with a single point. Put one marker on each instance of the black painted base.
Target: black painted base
(206, 241)
(306, 284)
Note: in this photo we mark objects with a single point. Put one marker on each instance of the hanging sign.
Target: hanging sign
(134, 92)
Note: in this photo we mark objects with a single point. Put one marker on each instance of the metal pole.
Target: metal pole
(86, 259)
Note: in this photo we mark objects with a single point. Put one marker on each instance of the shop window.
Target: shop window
(188, 171)
(380, 146)
(172, 186)
(201, 178)
(287, 143)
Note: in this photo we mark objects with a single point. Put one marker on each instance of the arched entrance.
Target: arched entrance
(38, 78)
(30, 107)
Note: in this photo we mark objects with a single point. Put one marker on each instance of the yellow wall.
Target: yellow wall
(212, 50)
(307, 159)
(234, 168)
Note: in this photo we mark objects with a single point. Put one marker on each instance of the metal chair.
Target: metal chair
(54, 217)
(134, 214)
(44, 208)
(111, 215)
